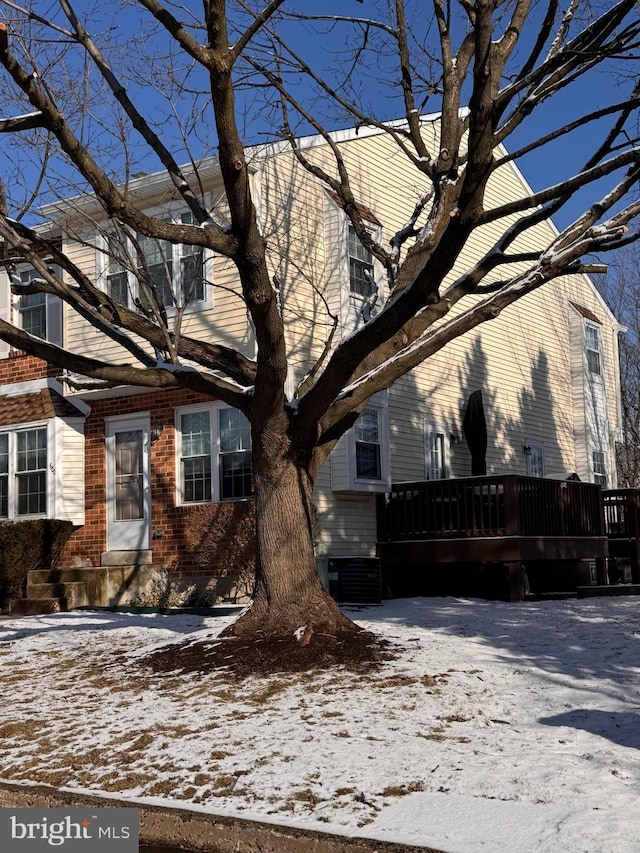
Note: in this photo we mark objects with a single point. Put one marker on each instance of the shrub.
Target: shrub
(27, 545)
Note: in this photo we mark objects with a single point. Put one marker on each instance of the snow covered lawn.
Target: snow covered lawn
(501, 728)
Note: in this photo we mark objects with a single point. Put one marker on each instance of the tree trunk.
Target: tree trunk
(289, 600)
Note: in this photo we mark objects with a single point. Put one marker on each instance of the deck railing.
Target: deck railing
(506, 505)
(622, 513)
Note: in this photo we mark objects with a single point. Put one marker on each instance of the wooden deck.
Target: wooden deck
(506, 521)
(622, 525)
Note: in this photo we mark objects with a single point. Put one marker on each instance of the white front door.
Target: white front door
(128, 492)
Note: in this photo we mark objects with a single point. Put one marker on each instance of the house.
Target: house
(158, 483)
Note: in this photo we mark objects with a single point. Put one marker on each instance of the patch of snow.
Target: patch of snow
(497, 727)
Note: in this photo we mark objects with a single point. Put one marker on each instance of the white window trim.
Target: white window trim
(379, 403)
(349, 299)
(596, 377)
(170, 212)
(50, 471)
(433, 428)
(212, 409)
(592, 466)
(51, 307)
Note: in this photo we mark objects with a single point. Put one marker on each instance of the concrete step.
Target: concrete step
(105, 585)
(95, 580)
(65, 575)
(75, 593)
(37, 606)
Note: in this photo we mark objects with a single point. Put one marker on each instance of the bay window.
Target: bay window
(360, 461)
(367, 437)
(23, 472)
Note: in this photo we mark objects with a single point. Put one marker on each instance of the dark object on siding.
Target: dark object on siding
(474, 426)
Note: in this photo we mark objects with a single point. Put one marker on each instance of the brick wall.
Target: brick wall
(19, 367)
(212, 543)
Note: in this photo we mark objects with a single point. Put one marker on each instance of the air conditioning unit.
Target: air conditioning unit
(355, 580)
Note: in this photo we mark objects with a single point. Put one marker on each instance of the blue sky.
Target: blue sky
(323, 50)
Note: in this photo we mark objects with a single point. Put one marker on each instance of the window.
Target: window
(534, 457)
(192, 268)
(593, 349)
(196, 457)
(367, 443)
(158, 265)
(39, 314)
(4, 475)
(360, 460)
(32, 312)
(436, 452)
(23, 473)
(599, 468)
(235, 454)
(176, 271)
(215, 455)
(360, 266)
(117, 280)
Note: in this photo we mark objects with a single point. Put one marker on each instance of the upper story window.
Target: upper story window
(360, 265)
(214, 449)
(157, 264)
(593, 349)
(191, 268)
(39, 314)
(32, 314)
(116, 278)
(176, 271)
(23, 472)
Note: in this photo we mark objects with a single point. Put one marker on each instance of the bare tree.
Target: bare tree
(622, 291)
(488, 66)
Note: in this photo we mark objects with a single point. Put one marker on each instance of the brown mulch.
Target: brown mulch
(239, 657)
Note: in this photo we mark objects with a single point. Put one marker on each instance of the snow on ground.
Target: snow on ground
(498, 727)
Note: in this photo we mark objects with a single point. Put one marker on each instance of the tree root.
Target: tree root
(247, 654)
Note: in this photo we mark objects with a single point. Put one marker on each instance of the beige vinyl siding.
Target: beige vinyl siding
(346, 523)
(5, 308)
(223, 319)
(67, 470)
(293, 222)
(339, 466)
(521, 361)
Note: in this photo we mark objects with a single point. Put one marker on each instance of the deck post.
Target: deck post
(602, 575)
(516, 581)
(633, 510)
(511, 506)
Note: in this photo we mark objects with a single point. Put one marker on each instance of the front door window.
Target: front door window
(129, 486)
